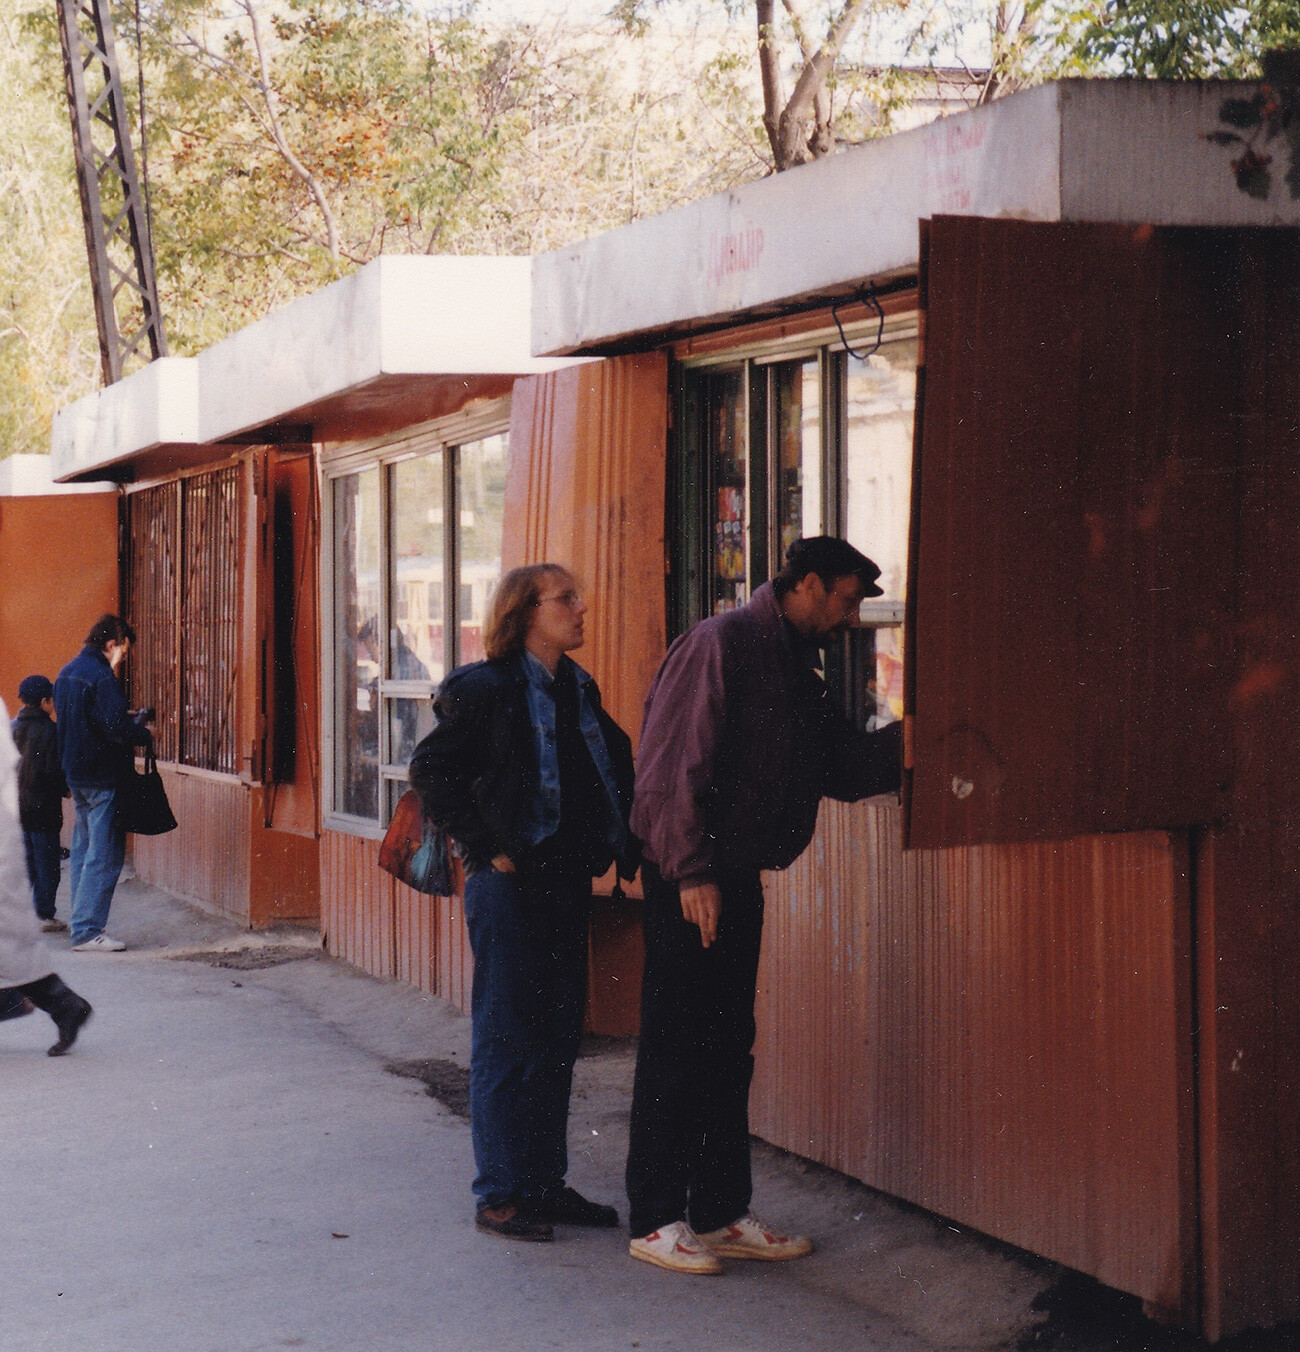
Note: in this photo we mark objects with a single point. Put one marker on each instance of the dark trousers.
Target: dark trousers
(688, 1155)
(528, 931)
(43, 867)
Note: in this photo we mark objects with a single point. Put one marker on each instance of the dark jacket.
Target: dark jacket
(96, 730)
(741, 742)
(476, 772)
(41, 786)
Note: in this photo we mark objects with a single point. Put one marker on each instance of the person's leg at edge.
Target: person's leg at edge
(664, 1135)
(560, 925)
(503, 1052)
(721, 1184)
(95, 872)
(43, 870)
(77, 846)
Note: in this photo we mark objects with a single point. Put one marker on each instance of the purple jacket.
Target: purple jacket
(741, 742)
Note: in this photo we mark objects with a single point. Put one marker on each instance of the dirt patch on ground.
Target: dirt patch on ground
(446, 1081)
(251, 959)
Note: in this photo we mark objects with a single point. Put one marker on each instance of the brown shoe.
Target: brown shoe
(507, 1221)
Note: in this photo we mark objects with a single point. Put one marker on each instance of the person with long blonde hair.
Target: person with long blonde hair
(533, 782)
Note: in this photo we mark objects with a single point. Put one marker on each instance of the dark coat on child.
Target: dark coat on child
(41, 786)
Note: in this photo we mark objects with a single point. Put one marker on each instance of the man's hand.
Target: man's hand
(503, 864)
(702, 906)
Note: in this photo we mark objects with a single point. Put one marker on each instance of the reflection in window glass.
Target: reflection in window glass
(416, 638)
(797, 391)
(880, 402)
(409, 720)
(480, 491)
(357, 648)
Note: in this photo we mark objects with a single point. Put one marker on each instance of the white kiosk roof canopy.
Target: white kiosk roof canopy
(1127, 151)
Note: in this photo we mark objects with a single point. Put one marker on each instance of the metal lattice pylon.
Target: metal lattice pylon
(112, 203)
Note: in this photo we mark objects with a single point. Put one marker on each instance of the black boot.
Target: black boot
(68, 1010)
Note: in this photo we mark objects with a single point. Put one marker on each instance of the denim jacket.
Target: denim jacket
(95, 729)
(542, 812)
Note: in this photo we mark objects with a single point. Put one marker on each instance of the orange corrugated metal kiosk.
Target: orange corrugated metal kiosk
(1064, 1014)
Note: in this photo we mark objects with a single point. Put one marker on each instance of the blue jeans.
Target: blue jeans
(43, 869)
(529, 936)
(98, 850)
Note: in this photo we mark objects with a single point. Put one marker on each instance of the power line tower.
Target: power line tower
(112, 203)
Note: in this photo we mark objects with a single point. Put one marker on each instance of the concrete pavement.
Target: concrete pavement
(226, 1162)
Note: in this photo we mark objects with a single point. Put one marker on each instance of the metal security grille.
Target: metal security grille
(153, 537)
(208, 618)
(183, 601)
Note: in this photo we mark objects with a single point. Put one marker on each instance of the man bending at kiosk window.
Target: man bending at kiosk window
(740, 743)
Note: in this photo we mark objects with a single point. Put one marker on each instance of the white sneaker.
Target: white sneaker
(101, 943)
(750, 1238)
(676, 1247)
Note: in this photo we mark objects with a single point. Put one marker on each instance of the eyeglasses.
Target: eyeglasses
(571, 599)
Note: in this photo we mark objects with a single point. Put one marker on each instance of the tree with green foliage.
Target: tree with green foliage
(1177, 39)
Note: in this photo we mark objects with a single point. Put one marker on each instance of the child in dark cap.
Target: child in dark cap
(41, 790)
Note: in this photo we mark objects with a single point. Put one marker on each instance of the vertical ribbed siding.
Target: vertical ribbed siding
(357, 903)
(384, 928)
(207, 857)
(586, 488)
(995, 1033)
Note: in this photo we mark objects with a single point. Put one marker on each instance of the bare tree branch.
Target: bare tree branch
(791, 146)
(271, 101)
(769, 69)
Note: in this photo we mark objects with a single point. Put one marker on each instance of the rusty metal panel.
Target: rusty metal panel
(1248, 940)
(206, 859)
(999, 1034)
(1072, 649)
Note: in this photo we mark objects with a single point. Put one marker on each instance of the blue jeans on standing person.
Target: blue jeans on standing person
(528, 931)
(98, 851)
(43, 870)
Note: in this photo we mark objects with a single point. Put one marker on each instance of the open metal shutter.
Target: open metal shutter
(1071, 645)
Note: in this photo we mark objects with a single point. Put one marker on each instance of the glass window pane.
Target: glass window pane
(416, 641)
(880, 403)
(357, 646)
(727, 452)
(480, 489)
(796, 387)
(409, 720)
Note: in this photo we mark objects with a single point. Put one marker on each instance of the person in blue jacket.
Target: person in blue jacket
(97, 737)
